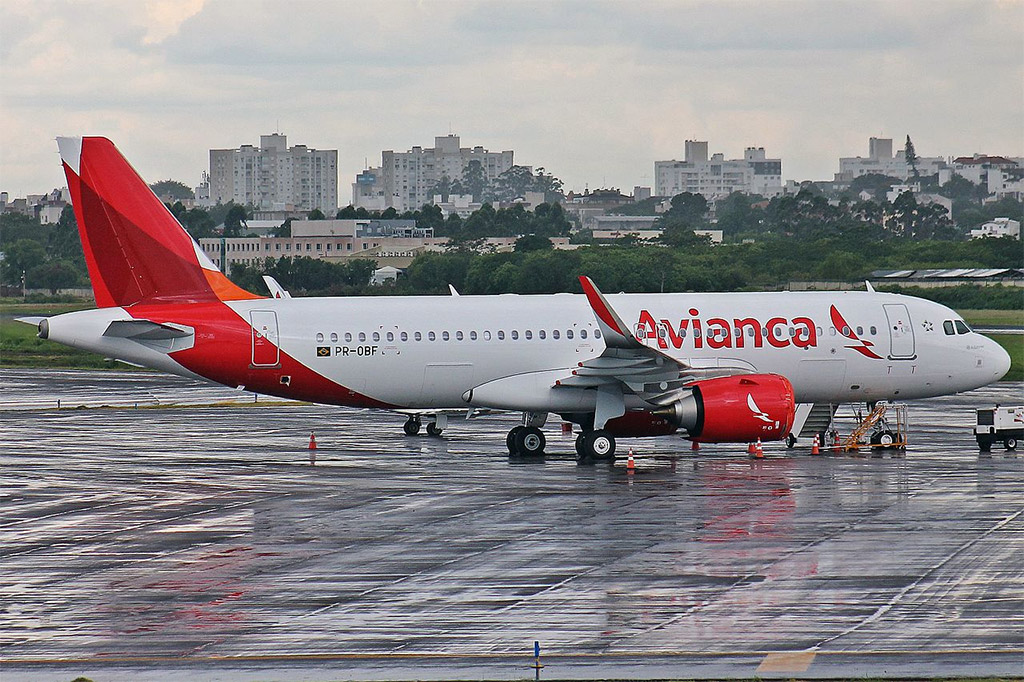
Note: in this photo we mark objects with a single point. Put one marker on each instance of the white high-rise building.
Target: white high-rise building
(718, 177)
(274, 177)
(407, 180)
(881, 161)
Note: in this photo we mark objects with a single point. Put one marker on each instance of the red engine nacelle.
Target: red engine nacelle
(736, 409)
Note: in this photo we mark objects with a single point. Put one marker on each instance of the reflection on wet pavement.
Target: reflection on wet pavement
(204, 532)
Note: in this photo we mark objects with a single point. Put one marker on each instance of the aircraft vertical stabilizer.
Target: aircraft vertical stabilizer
(135, 249)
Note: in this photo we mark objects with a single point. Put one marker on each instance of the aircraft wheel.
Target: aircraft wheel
(595, 445)
(411, 427)
(886, 439)
(790, 441)
(510, 439)
(581, 453)
(529, 442)
(432, 429)
(1010, 443)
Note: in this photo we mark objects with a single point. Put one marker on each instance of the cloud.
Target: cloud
(593, 91)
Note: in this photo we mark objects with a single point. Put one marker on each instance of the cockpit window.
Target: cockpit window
(961, 327)
(947, 327)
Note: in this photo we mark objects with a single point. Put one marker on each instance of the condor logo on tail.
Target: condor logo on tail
(844, 328)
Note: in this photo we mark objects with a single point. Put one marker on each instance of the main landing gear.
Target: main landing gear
(527, 440)
(595, 445)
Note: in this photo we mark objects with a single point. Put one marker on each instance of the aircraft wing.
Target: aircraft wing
(629, 365)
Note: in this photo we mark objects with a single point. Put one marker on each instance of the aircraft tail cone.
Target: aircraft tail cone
(758, 450)
(815, 450)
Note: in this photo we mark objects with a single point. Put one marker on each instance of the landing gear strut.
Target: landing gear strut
(593, 445)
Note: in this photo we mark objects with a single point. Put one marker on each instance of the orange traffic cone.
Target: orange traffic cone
(751, 449)
(566, 427)
(630, 464)
(312, 441)
(695, 446)
(814, 446)
(758, 451)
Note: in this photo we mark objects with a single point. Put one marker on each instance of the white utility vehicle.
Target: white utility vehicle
(999, 424)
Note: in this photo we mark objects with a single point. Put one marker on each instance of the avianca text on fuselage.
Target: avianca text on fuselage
(718, 332)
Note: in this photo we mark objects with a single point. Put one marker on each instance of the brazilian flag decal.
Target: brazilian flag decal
(323, 351)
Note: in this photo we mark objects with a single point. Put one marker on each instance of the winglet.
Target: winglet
(451, 288)
(616, 333)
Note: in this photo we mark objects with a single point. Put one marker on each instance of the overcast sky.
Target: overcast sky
(595, 92)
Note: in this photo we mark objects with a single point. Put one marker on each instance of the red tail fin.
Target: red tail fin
(135, 249)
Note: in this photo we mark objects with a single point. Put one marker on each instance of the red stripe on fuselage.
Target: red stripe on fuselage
(222, 353)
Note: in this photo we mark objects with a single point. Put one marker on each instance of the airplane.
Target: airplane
(715, 367)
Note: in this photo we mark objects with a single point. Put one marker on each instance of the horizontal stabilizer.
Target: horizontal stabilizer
(34, 321)
(145, 330)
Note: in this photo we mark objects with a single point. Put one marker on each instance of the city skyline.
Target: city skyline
(595, 93)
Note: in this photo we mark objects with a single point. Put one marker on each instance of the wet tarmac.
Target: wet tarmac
(198, 542)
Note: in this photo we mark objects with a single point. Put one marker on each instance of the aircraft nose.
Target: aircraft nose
(1000, 360)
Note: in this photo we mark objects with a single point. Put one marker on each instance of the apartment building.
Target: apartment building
(717, 177)
(274, 176)
(881, 161)
(406, 180)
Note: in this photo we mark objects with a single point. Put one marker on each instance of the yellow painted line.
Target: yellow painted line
(498, 656)
(789, 662)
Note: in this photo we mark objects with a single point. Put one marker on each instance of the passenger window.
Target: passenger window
(873, 330)
(376, 336)
(528, 334)
(405, 336)
(792, 332)
(431, 336)
(458, 335)
(472, 336)
(831, 331)
(554, 333)
(362, 336)
(501, 335)
(846, 331)
(319, 337)
(514, 334)
(961, 327)
(391, 336)
(568, 333)
(947, 327)
(487, 335)
(597, 333)
(860, 330)
(445, 336)
(348, 337)
(334, 337)
(417, 336)
(542, 334)
(583, 333)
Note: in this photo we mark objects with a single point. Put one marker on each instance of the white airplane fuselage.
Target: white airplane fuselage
(427, 352)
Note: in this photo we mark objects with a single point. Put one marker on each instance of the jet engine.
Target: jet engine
(734, 409)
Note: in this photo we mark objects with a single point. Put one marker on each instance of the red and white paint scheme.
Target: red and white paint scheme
(720, 367)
